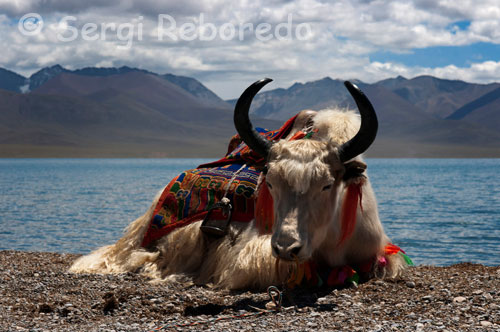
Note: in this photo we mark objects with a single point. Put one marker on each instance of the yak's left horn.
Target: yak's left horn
(368, 130)
(242, 122)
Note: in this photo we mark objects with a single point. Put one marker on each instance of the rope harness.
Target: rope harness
(217, 230)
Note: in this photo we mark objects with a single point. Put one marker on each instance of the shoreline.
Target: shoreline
(37, 294)
(216, 157)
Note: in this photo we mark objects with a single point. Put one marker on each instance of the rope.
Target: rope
(232, 180)
(274, 294)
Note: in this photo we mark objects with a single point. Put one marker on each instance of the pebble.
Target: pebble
(446, 291)
(410, 284)
(459, 299)
(322, 300)
(69, 299)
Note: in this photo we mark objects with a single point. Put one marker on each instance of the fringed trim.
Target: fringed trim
(309, 274)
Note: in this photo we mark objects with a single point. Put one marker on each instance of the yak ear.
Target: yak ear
(332, 159)
(354, 169)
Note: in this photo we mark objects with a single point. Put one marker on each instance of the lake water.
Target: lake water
(440, 211)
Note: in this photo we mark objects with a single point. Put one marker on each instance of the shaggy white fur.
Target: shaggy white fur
(307, 217)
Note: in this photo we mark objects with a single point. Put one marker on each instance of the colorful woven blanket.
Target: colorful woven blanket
(190, 195)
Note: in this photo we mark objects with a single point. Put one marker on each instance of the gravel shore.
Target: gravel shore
(37, 294)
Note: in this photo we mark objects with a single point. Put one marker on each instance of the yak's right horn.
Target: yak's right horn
(368, 130)
(244, 127)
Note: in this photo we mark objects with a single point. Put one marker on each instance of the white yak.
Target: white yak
(308, 180)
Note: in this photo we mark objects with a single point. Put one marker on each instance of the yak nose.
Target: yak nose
(287, 252)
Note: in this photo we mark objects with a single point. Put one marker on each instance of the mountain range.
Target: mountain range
(423, 116)
(130, 112)
(110, 112)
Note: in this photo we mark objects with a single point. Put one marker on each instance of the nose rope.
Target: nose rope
(276, 296)
(297, 273)
(295, 276)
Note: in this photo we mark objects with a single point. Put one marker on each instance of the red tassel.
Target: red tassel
(264, 210)
(352, 197)
(298, 135)
(391, 249)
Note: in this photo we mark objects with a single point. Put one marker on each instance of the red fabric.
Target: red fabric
(298, 135)
(352, 198)
(264, 210)
(391, 249)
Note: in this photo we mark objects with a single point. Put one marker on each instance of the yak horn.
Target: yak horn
(368, 130)
(242, 122)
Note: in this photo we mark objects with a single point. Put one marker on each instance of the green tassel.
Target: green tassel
(407, 259)
(354, 279)
(309, 135)
(320, 281)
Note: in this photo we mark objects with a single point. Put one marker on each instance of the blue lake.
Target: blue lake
(440, 211)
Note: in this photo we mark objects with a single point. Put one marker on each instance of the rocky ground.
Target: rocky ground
(37, 294)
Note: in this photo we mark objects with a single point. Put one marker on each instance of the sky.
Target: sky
(228, 44)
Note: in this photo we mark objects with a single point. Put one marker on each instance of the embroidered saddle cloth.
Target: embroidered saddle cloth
(189, 196)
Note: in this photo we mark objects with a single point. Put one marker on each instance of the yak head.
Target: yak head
(304, 176)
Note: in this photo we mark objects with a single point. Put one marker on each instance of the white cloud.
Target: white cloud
(483, 72)
(343, 35)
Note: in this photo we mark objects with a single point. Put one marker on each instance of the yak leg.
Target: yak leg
(180, 254)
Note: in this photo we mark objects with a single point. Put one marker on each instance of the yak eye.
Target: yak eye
(327, 187)
(269, 185)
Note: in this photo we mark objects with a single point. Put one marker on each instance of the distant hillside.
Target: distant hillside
(436, 96)
(281, 104)
(196, 89)
(14, 82)
(112, 112)
(412, 112)
(11, 81)
(43, 75)
(130, 112)
(401, 121)
(484, 110)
